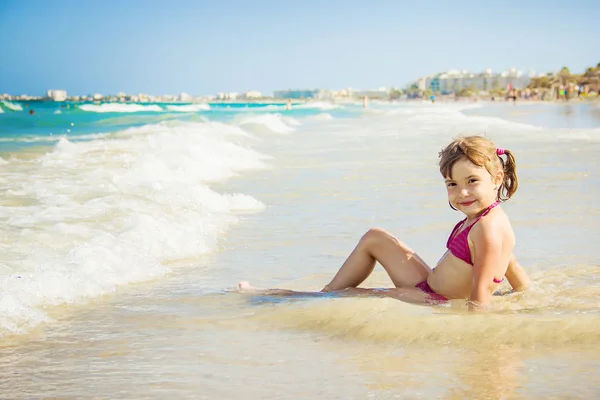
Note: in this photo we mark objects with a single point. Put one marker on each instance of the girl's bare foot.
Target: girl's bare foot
(326, 289)
(244, 286)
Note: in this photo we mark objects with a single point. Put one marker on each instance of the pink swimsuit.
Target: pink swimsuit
(458, 245)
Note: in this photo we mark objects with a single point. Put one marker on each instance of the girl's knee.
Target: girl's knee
(376, 236)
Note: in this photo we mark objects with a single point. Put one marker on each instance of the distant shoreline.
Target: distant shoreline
(282, 102)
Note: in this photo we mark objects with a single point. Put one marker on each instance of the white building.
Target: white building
(454, 80)
(57, 95)
(422, 83)
(340, 94)
(227, 96)
(184, 97)
(252, 94)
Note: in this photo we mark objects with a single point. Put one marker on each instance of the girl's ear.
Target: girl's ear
(498, 178)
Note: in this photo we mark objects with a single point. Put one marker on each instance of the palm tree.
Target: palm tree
(591, 76)
(564, 76)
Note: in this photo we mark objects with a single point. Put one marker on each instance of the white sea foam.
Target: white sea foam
(321, 117)
(450, 116)
(11, 106)
(90, 216)
(53, 138)
(120, 107)
(322, 105)
(270, 107)
(188, 107)
(270, 122)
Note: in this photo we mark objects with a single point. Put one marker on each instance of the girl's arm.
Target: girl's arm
(488, 255)
(516, 275)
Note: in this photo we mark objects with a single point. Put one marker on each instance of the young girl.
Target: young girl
(478, 177)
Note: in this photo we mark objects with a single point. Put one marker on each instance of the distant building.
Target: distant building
(299, 94)
(184, 97)
(339, 94)
(381, 93)
(227, 96)
(454, 80)
(57, 95)
(252, 94)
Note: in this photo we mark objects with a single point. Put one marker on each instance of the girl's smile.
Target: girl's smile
(471, 188)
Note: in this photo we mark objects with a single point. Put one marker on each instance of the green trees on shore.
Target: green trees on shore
(549, 86)
(588, 82)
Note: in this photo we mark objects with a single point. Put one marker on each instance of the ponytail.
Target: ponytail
(511, 182)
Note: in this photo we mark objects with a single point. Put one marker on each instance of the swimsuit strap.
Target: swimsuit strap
(456, 227)
(483, 214)
(487, 210)
(468, 228)
(458, 242)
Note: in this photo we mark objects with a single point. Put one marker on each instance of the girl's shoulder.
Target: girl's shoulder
(494, 223)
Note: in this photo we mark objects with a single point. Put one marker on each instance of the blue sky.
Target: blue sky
(205, 47)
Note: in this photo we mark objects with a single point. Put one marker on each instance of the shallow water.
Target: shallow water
(317, 185)
(574, 114)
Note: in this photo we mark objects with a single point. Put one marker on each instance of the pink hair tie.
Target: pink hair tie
(499, 151)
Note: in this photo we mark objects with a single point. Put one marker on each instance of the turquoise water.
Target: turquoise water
(50, 121)
(560, 115)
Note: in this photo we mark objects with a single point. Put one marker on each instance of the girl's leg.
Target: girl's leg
(404, 267)
(408, 295)
(245, 287)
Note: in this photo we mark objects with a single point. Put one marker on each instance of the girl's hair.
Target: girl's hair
(483, 153)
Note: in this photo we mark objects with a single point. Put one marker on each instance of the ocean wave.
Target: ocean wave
(270, 122)
(91, 216)
(587, 135)
(321, 105)
(432, 116)
(11, 106)
(53, 138)
(319, 117)
(391, 321)
(202, 127)
(188, 107)
(119, 107)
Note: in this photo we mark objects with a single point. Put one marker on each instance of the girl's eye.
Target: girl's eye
(451, 184)
(472, 180)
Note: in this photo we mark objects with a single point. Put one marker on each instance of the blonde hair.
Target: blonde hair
(483, 153)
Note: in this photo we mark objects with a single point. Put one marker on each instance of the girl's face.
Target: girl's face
(472, 189)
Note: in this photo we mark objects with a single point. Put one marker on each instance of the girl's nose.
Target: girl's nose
(464, 192)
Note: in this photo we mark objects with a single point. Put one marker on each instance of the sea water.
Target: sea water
(125, 228)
